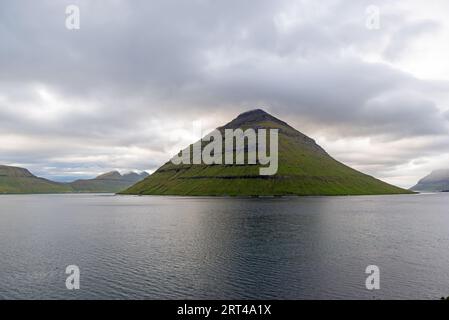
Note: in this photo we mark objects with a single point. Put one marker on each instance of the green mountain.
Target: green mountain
(437, 181)
(18, 180)
(304, 169)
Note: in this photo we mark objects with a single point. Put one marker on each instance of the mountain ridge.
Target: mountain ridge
(16, 180)
(305, 168)
(260, 115)
(12, 171)
(110, 182)
(436, 181)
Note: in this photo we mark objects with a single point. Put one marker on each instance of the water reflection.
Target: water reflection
(222, 248)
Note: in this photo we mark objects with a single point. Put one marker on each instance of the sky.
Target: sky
(368, 80)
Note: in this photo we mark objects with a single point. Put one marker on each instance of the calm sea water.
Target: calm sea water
(193, 248)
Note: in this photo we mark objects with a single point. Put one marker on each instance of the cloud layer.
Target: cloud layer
(122, 92)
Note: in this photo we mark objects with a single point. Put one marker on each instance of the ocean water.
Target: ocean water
(130, 247)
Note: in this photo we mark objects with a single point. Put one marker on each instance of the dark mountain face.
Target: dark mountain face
(304, 169)
(8, 171)
(437, 181)
(259, 119)
(253, 117)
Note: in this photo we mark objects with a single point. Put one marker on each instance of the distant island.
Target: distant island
(304, 169)
(14, 180)
(436, 181)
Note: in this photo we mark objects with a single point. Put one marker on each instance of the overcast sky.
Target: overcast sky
(123, 91)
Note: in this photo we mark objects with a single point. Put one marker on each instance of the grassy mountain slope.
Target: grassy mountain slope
(19, 180)
(304, 169)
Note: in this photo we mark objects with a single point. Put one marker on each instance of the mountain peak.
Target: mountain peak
(258, 118)
(253, 117)
(304, 169)
(254, 112)
(110, 175)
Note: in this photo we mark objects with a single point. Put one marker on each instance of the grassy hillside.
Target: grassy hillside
(304, 169)
(18, 180)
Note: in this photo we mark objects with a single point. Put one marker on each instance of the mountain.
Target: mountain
(437, 181)
(304, 169)
(20, 180)
(110, 182)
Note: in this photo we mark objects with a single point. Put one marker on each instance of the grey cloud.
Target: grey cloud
(134, 64)
(397, 45)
